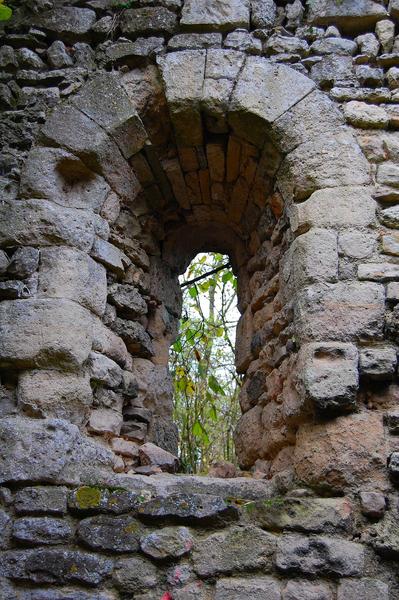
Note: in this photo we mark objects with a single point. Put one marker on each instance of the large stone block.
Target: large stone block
(307, 590)
(168, 543)
(57, 175)
(237, 549)
(329, 375)
(335, 455)
(315, 115)
(351, 16)
(132, 575)
(211, 15)
(105, 101)
(248, 437)
(69, 273)
(43, 223)
(342, 311)
(40, 333)
(263, 13)
(70, 128)
(46, 531)
(314, 257)
(326, 162)
(49, 393)
(50, 450)
(263, 93)
(110, 533)
(41, 499)
(148, 21)
(255, 588)
(183, 76)
(335, 207)
(319, 556)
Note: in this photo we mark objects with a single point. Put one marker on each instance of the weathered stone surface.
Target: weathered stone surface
(343, 311)
(244, 41)
(306, 590)
(55, 566)
(64, 594)
(41, 499)
(373, 504)
(390, 217)
(281, 44)
(109, 533)
(105, 421)
(366, 116)
(263, 13)
(195, 508)
(195, 41)
(330, 45)
(236, 549)
(57, 55)
(14, 290)
(329, 375)
(255, 588)
(72, 274)
(260, 96)
(215, 16)
(316, 257)
(6, 524)
(29, 337)
(150, 454)
(24, 262)
(68, 22)
(62, 454)
(169, 542)
(335, 207)
(356, 244)
(110, 256)
(137, 340)
(57, 175)
(105, 101)
(366, 588)
(93, 499)
(135, 574)
(349, 15)
(336, 455)
(248, 437)
(105, 371)
(43, 223)
(148, 21)
(318, 515)
(323, 163)
(378, 362)
(319, 555)
(128, 301)
(183, 74)
(50, 393)
(42, 530)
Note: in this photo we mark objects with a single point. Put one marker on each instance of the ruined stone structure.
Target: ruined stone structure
(133, 138)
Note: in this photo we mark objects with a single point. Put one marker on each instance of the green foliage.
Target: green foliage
(5, 11)
(206, 384)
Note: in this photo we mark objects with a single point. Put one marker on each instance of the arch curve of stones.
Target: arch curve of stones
(128, 178)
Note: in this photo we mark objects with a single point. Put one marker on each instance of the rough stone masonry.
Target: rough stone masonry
(135, 136)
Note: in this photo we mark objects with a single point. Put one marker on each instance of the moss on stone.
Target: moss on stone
(88, 497)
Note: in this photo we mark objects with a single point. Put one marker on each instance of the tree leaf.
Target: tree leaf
(193, 292)
(5, 12)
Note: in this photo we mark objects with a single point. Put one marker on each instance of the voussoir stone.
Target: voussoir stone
(319, 556)
(255, 588)
(261, 96)
(55, 566)
(110, 533)
(215, 16)
(39, 333)
(235, 549)
(190, 508)
(169, 542)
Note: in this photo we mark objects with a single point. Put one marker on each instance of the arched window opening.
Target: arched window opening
(206, 384)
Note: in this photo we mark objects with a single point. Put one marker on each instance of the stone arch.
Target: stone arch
(301, 323)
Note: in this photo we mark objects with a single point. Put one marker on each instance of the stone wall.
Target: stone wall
(135, 137)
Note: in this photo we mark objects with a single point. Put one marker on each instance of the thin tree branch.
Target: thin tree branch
(200, 277)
